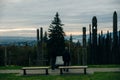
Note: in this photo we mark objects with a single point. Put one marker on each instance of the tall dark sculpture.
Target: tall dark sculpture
(119, 47)
(41, 34)
(90, 33)
(94, 31)
(115, 40)
(115, 37)
(38, 46)
(84, 50)
(94, 40)
(37, 34)
(84, 37)
(41, 46)
(40, 55)
(119, 38)
(89, 52)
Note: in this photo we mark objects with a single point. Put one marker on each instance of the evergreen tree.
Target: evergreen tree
(56, 43)
(56, 36)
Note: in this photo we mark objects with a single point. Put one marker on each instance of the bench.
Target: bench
(72, 67)
(35, 68)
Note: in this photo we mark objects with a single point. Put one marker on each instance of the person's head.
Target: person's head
(66, 48)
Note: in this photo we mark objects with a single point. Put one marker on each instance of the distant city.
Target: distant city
(18, 41)
(21, 41)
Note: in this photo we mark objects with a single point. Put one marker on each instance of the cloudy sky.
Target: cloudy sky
(23, 17)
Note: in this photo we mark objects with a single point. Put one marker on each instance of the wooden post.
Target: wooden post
(5, 58)
(84, 50)
(41, 46)
(38, 46)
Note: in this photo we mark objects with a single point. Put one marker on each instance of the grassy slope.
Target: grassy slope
(96, 76)
(10, 67)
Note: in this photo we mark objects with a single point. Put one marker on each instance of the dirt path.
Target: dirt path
(57, 71)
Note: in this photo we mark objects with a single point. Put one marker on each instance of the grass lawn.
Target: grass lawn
(96, 76)
(10, 67)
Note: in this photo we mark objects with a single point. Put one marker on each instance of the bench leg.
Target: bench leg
(24, 71)
(84, 70)
(61, 71)
(46, 71)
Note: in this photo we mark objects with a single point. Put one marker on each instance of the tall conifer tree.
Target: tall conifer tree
(56, 36)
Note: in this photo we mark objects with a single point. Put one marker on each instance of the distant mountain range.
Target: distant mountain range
(9, 40)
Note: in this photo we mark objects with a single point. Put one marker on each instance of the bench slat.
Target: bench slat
(34, 68)
(72, 67)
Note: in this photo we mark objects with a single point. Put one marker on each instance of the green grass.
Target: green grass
(96, 76)
(10, 67)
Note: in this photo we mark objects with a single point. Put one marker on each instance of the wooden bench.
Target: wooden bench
(35, 68)
(72, 67)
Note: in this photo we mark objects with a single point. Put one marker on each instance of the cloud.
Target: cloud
(74, 13)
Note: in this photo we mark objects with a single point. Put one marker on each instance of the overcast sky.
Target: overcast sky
(23, 17)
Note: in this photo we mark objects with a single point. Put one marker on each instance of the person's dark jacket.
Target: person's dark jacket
(66, 56)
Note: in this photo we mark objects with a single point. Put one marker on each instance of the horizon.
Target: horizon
(19, 18)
